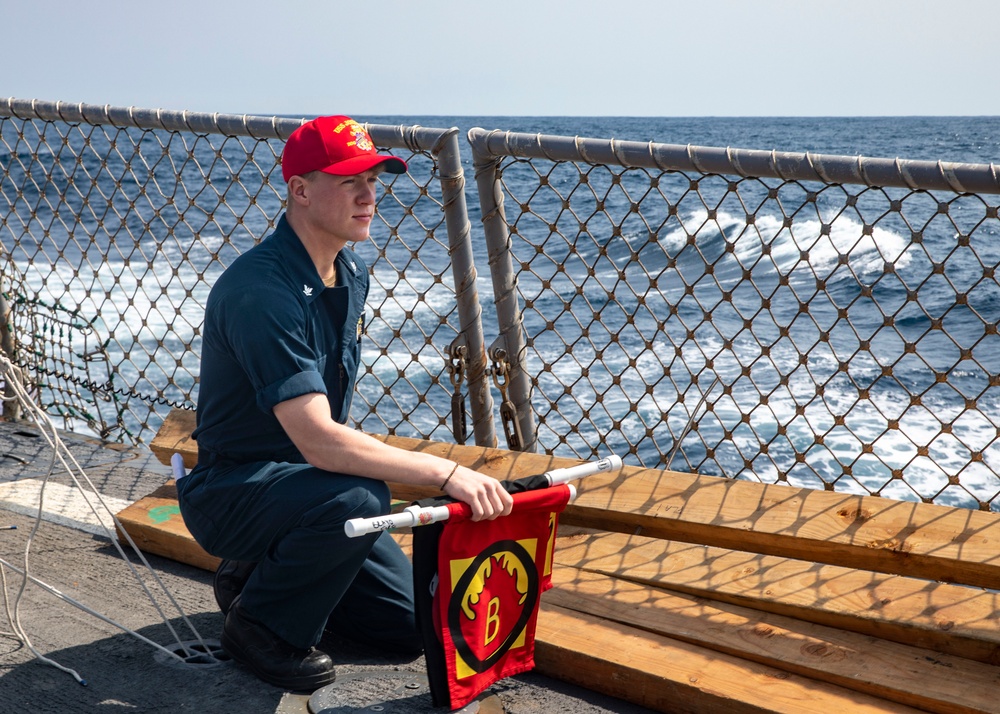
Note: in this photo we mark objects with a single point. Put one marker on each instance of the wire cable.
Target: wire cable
(61, 453)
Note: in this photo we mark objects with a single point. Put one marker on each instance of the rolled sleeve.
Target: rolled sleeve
(290, 388)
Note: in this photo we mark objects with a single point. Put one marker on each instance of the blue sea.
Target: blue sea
(929, 460)
(961, 139)
(931, 444)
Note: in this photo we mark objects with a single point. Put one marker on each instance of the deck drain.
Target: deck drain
(194, 653)
(383, 691)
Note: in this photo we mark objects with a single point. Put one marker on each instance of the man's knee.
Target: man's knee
(365, 499)
(372, 499)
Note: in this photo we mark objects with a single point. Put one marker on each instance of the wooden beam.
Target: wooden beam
(665, 675)
(888, 670)
(174, 436)
(156, 526)
(947, 618)
(915, 539)
(864, 532)
(944, 618)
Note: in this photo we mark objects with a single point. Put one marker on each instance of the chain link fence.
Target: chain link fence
(825, 321)
(115, 223)
(828, 322)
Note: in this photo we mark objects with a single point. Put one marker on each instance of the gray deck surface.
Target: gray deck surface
(125, 674)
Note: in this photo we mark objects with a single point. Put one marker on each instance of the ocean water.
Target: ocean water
(961, 139)
(192, 233)
(816, 410)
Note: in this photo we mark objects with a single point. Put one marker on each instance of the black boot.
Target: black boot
(230, 577)
(271, 658)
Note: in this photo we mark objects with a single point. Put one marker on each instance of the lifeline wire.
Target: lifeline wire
(58, 448)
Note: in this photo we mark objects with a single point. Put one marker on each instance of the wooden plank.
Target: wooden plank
(915, 539)
(888, 670)
(947, 618)
(944, 618)
(670, 676)
(921, 540)
(174, 436)
(156, 526)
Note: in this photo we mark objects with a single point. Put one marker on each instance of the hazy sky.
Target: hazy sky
(509, 57)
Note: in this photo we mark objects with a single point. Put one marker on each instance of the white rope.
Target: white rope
(76, 603)
(61, 453)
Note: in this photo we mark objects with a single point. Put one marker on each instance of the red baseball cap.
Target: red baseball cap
(334, 145)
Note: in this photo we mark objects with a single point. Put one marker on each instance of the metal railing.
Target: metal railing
(822, 321)
(825, 321)
(120, 219)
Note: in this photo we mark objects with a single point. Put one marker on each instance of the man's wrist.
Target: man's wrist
(448, 477)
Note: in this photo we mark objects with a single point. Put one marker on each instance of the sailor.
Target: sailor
(279, 470)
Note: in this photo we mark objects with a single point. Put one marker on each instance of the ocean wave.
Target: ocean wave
(840, 251)
(822, 245)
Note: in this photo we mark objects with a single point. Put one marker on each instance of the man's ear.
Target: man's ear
(298, 190)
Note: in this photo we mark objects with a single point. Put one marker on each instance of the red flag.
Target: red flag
(490, 577)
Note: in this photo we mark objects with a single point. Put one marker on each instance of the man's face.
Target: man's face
(341, 208)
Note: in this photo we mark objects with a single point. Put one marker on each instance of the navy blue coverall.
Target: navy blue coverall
(274, 332)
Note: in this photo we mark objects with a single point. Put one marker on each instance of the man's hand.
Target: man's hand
(485, 495)
(341, 449)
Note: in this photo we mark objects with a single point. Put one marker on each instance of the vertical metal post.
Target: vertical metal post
(11, 407)
(509, 322)
(470, 312)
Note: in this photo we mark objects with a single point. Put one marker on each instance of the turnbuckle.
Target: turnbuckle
(508, 414)
(457, 368)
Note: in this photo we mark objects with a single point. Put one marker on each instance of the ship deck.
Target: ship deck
(71, 552)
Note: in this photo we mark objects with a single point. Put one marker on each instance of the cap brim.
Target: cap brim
(360, 164)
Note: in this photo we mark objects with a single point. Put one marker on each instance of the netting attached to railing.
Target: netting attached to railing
(123, 219)
(822, 321)
(777, 327)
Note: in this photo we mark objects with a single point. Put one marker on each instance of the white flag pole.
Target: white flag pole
(413, 516)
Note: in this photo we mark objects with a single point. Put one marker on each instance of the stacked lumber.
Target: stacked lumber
(686, 593)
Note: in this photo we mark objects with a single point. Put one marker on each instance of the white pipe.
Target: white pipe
(409, 517)
(413, 516)
(572, 473)
(177, 465)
